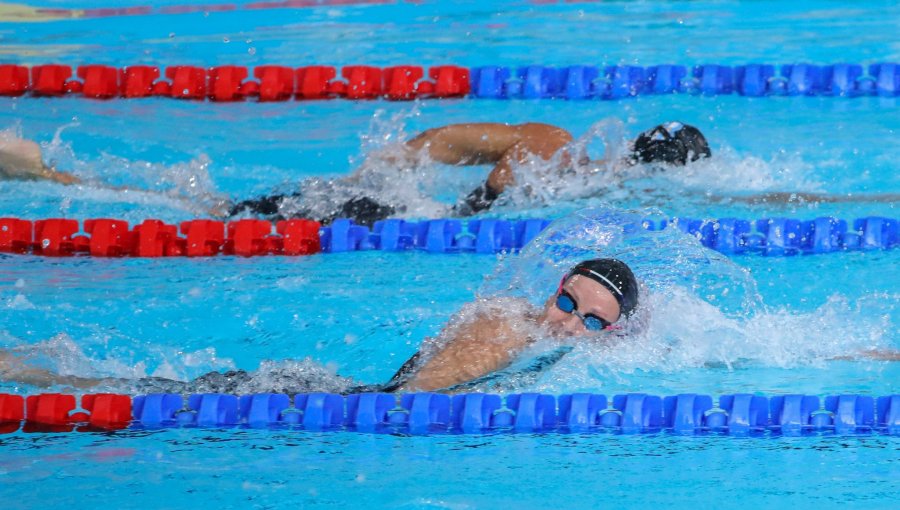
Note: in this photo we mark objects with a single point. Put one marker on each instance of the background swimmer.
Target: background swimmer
(506, 147)
(502, 145)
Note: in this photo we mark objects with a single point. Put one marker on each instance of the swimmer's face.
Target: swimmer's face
(591, 298)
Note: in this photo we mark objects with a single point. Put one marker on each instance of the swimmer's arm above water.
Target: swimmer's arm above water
(477, 349)
(22, 160)
(483, 143)
(13, 368)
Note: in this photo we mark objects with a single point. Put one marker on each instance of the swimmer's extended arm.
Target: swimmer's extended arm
(21, 159)
(13, 369)
(484, 346)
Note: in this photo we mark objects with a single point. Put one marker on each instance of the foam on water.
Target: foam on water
(542, 183)
(698, 308)
(429, 188)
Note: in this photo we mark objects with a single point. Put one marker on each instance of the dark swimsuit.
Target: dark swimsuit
(233, 381)
(362, 210)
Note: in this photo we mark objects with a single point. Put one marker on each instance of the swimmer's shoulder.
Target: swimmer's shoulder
(496, 319)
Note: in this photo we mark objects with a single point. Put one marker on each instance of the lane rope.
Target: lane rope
(470, 413)
(104, 237)
(407, 82)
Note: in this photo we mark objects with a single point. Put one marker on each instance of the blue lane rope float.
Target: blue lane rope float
(767, 236)
(617, 82)
(470, 413)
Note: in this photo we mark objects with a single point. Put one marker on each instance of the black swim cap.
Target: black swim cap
(616, 277)
(672, 142)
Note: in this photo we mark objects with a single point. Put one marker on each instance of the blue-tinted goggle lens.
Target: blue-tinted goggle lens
(591, 322)
(565, 303)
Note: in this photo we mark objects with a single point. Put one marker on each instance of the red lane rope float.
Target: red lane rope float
(56, 412)
(59, 237)
(232, 83)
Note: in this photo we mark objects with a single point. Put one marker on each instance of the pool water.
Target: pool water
(361, 315)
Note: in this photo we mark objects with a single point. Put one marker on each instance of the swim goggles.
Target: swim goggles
(566, 303)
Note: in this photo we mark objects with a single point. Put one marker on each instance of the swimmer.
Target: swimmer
(590, 304)
(485, 337)
(502, 145)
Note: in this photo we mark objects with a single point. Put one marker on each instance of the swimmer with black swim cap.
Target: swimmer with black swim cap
(502, 145)
(591, 298)
(505, 146)
(472, 347)
(673, 143)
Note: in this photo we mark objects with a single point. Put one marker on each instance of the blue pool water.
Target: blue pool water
(361, 315)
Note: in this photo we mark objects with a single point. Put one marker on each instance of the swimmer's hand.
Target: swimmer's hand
(21, 160)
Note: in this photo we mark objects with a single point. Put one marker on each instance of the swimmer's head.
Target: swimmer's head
(673, 143)
(591, 296)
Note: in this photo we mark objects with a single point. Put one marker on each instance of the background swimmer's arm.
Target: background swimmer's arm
(14, 370)
(484, 143)
(481, 347)
(466, 144)
(22, 160)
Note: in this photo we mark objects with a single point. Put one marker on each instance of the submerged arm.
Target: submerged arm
(873, 354)
(811, 198)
